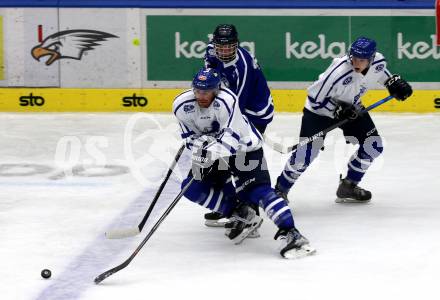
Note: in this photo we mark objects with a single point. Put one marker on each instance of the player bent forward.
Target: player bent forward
(241, 73)
(228, 164)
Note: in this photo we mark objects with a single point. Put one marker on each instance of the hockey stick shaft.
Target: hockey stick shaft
(110, 272)
(122, 233)
(336, 125)
(159, 191)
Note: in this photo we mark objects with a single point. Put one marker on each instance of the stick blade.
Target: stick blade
(280, 148)
(101, 277)
(277, 146)
(122, 233)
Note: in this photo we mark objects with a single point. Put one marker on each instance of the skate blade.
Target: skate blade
(215, 223)
(242, 236)
(350, 200)
(304, 251)
(253, 235)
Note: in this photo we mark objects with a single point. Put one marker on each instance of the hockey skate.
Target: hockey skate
(349, 192)
(253, 235)
(293, 244)
(215, 219)
(244, 222)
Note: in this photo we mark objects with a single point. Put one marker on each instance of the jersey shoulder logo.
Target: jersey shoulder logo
(188, 108)
(347, 80)
(255, 63)
(216, 105)
(211, 52)
(379, 68)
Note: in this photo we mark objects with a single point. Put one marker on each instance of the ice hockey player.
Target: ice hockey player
(225, 144)
(241, 73)
(337, 95)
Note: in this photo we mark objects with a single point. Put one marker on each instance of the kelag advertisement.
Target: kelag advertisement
(294, 48)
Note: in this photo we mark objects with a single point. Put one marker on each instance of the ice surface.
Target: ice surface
(54, 216)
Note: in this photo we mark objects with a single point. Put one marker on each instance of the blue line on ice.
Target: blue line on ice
(78, 276)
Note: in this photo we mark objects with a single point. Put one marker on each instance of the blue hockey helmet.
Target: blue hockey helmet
(206, 79)
(364, 48)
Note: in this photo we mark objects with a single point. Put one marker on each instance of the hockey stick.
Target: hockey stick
(132, 231)
(284, 149)
(277, 146)
(110, 272)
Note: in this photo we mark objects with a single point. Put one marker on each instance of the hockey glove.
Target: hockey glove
(202, 159)
(398, 88)
(346, 111)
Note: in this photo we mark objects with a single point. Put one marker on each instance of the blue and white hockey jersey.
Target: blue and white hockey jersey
(244, 77)
(221, 120)
(340, 83)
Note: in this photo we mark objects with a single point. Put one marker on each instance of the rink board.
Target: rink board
(164, 48)
(160, 100)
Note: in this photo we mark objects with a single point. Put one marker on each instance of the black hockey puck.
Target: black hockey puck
(46, 273)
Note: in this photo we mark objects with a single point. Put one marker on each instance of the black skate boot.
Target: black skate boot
(215, 219)
(293, 244)
(349, 192)
(253, 235)
(244, 222)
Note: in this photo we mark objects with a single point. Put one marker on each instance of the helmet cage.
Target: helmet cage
(225, 40)
(226, 52)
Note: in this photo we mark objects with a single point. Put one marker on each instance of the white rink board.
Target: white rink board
(116, 63)
(20, 34)
(113, 63)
